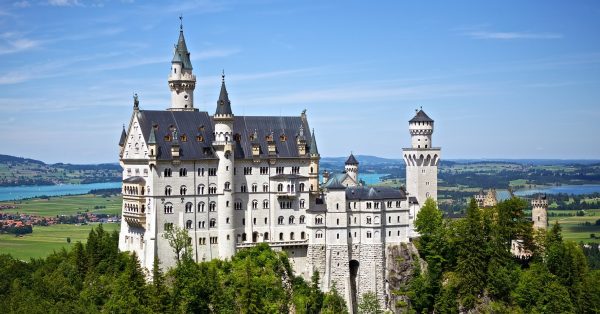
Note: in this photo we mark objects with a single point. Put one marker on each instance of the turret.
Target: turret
(313, 176)
(223, 146)
(122, 141)
(182, 81)
(421, 129)
(152, 147)
(351, 168)
(539, 212)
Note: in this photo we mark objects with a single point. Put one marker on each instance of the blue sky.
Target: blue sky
(502, 79)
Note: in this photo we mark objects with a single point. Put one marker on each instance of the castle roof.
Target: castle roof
(123, 137)
(194, 125)
(313, 150)
(182, 54)
(421, 116)
(374, 193)
(351, 160)
(335, 182)
(223, 104)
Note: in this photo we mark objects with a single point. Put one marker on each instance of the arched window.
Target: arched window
(189, 207)
(254, 204)
(265, 204)
(167, 190)
(302, 235)
(301, 203)
(266, 236)
(319, 235)
(301, 187)
(201, 207)
(301, 220)
(188, 224)
(227, 185)
(281, 236)
(182, 190)
(167, 172)
(291, 220)
(168, 208)
(201, 189)
(280, 220)
(212, 207)
(182, 172)
(291, 236)
(280, 187)
(319, 220)
(244, 237)
(265, 187)
(212, 223)
(254, 187)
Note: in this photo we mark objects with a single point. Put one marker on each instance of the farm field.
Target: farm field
(573, 227)
(45, 240)
(66, 205)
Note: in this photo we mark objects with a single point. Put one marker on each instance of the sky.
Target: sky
(501, 79)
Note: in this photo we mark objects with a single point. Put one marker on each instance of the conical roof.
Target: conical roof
(123, 137)
(421, 116)
(152, 139)
(351, 160)
(313, 144)
(223, 104)
(181, 54)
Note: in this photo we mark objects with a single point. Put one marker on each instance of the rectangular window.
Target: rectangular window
(212, 172)
(264, 170)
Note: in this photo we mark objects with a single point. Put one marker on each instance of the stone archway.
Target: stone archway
(354, 264)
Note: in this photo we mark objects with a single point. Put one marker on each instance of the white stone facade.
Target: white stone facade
(233, 182)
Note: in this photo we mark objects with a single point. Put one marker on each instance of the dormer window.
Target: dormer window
(269, 137)
(168, 138)
(199, 138)
(183, 138)
(283, 137)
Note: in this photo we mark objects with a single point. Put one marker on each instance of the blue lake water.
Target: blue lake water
(371, 178)
(568, 189)
(21, 192)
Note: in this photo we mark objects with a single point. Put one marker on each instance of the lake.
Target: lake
(20, 192)
(371, 178)
(567, 189)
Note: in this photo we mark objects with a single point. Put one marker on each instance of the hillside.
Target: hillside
(24, 171)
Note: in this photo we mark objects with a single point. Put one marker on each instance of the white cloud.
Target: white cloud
(11, 44)
(512, 35)
(22, 4)
(63, 3)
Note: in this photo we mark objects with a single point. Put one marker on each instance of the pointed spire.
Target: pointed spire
(123, 137)
(351, 160)
(152, 139)
(223, 104)
(313, 144)
(181, 54)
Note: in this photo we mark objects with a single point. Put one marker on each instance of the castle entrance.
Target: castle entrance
(353, 273)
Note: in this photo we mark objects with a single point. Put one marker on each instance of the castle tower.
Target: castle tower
(421, 159)
(539, 212)
(351, 167)
(313, 176)
(223, 146)
(182, 81)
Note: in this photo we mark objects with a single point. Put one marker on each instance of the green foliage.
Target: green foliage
(369, 304)
(333, 303)
(179, 241)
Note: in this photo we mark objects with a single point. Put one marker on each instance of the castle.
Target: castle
(235, 181)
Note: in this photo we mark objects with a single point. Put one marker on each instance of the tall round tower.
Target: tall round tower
(182, 81)
(539, 212)
(351, 167)
(421, 129)
(223, 146)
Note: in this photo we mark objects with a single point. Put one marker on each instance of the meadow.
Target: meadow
(66, 205)
(45, 240)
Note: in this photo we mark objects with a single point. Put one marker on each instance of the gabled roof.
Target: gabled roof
(351, 160)
(195, 124)
(123, 137)
(421, 116)
(335, 182)
(223, 104)
(181, 54)
(374, 193)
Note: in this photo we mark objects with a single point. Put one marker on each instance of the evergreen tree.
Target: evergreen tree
(333, 303)
(369, 304)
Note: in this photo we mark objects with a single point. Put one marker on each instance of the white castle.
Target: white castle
(236, 181)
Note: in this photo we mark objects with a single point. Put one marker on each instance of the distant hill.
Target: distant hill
(16, 171)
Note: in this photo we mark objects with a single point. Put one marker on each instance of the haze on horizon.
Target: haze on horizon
(502, 79)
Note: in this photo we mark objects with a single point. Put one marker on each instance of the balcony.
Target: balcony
(287, 194)
(135, 219)
(274, 243)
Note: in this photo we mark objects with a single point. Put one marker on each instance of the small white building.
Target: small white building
(235, 181)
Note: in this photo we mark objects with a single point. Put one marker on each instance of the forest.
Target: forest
(469, 265)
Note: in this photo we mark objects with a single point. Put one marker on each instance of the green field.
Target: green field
(574, 230)
(45, 240)
(66, 205)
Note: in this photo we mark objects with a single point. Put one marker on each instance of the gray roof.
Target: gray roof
(123, 137)
(152, 139)
(181, 54)
(374, 193)
(351, 160)
(335, 182)
(287, 176)
(313, 150)
(421, 116)
(198, 123)
(223, 104)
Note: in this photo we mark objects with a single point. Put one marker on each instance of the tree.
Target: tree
(333, 302)
(179, 241)
(369, 304)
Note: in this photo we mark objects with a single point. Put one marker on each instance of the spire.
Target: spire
(123, 137)
(152, 139)
(421, 116)
(223, 104)
(351, 160)
(181, 54)
(313, 144)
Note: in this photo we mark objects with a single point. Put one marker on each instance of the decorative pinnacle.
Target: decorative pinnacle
(180, 22)
(223, 76)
